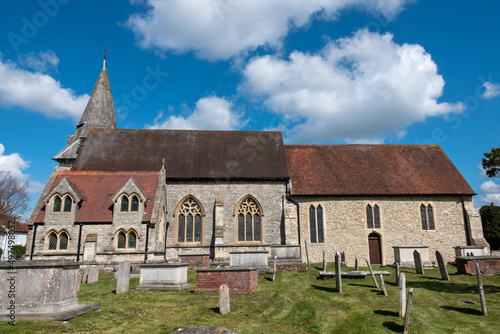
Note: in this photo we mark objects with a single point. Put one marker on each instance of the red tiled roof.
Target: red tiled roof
(373, 170)
(98, 188)
(21, 227)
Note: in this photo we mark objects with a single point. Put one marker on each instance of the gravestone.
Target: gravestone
(338, 273)
(382, 285)
(342, 257)
(396, 265)
(402, 295)
(356, 264)
(93, 275)
(371, 272)
(408, 311)
(442, 266)
(324, 261)
(224, 306)
(274, 271)
(418, 262)
(122, 285)
(481, 290)
(85, 274)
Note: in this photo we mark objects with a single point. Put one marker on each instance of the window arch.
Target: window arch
(58, 241)
(427, 217)
(67, 204)
(124, 204)
(134, 205)
(62, 204)
(249, 220)
(316, 224)
(372, 216)
(129, 203)
(189, 221)
(126, 240)
(57, 204)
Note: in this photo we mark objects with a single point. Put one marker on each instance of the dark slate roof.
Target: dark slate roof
(187, 154)
(373, 170)
(98, 189)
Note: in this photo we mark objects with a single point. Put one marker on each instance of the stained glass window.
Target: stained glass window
(312, 223)
(319, 216)
(423, 217)
(430, 215)
(241, 227)
(369, 216)
(376, 216)
(67, 204)
(57, 204)
(249, 220)
(190, 222)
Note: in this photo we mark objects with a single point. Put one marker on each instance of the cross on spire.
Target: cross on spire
(105, 52)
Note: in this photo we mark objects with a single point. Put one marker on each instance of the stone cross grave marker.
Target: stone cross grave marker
(224, 306)
(396, 265)
(442, 266)
(418, 262)
(402, 295)
(123, 282)
(338, 273)
(93, 274)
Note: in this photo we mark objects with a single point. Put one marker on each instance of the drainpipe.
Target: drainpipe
(147, 241)
(33, 241)
(165, 250)
(79, 243)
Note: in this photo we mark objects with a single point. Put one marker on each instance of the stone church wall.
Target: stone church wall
(346, 228)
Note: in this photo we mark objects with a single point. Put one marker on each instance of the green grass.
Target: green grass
(294, 303)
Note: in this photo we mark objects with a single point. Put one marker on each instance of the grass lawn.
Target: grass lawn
(294, 303)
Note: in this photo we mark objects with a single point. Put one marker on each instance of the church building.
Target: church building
(158, 195)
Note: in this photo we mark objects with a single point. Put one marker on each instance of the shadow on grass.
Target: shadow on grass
(215, 310)
(464, 310)
(390, 325)
(386, 313)
(324, 288)
(268, 279)
(450, 287)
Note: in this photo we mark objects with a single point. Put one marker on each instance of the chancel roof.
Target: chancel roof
(373, 170)
(98, 189)
(187, 154)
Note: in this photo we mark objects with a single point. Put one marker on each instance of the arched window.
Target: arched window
(57, 204)
(131, 239)
(316, 224)
(134, 207)
(122, 239)
(67, 204)
(372, 216)
(58, 241)
(189, 219)
(124, 204)
(249, 220)
(427, 217)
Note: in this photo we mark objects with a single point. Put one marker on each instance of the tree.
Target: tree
(490, 217)
(13, 195)
(18, 251)
(491, 162)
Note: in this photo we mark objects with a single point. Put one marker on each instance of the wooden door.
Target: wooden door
(374, 247)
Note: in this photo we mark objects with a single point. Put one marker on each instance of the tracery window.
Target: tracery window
(249, 220)
(58, 241)
(189, 221)
(372, 216)
(427, 217)
(129, 203)
(63, 204)
(316, 224)
(126, 240)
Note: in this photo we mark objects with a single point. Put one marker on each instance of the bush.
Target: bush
(18, 251)
(490, 217)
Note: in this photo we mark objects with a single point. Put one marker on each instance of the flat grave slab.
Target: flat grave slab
(351, 274)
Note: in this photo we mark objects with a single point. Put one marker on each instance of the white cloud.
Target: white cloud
(211, 113)
(35, 187)
(41, 62)
(361, 88)
(13, 163)
(38, 92)
(490, 193)
(491, 90)
(220, 29)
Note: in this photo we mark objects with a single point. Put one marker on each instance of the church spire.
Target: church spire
(99, 113)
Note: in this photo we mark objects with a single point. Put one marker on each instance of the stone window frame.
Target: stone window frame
(127, 239)
(129, 204)
(236, 215)
(316, 225)
(177, 214)
(374, 226)
(58, 236)
(425, 225)
(62, 207)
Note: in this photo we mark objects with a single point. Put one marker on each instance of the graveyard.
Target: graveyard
(293, 303)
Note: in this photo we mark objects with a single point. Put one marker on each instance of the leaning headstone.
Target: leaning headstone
(396, 265)
(324, 261)
(123, 282)
(342, 257)
(85, 274)
(382, 285)
(481, 290)
(93, 276)
(307, 253)
(224, 306)
(402, 295)
(274, 271)
(356, 264)
(418, 262)
(338, 273)
(408, 311)
(442, 266)
(371, 272)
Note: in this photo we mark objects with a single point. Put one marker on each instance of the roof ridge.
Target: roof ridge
(93, 172)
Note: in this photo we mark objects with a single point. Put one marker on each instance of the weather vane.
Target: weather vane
(105, 50)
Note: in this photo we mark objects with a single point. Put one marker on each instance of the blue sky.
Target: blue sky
(321, 71)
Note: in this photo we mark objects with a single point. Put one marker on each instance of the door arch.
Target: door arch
(374, 248)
